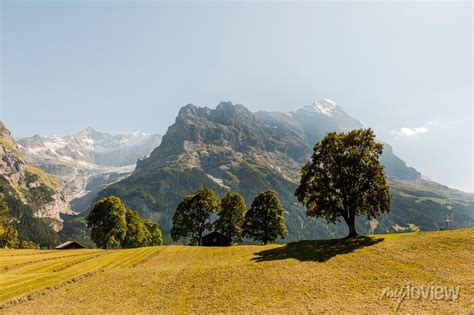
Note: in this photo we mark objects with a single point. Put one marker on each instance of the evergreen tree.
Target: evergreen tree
(231, 216)
(345, 178)
(108, 222)
(192, 217)
(264, 221)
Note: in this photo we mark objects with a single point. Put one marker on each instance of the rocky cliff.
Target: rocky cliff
(28, 191)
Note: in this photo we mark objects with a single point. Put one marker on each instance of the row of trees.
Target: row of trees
(113, 225)
(194, 216)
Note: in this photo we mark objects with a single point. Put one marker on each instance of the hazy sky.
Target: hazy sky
(404, 69)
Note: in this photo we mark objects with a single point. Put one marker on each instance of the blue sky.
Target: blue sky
(404, 69)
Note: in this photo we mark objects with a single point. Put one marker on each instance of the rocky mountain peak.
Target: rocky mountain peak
(186, 111)
(88, 130)
(324, 107)
(5, 135)
(219, 126)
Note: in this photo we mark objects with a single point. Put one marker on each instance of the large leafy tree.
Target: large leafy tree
(137, 234)
(264, 221)
(345, 178)
(108, 222)
(8, 233)
(192, 217)
(231, 216)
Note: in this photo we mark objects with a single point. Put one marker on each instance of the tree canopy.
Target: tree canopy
(137, 234)
(345, 178)
(231, 216)
(113, 225)
(264, 221)
(192, 217)
(8, 236)
(154, 236)
(108, 222)
(8, 233)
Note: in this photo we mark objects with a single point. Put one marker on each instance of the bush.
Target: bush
(27, 245)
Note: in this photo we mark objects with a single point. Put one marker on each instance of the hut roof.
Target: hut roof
(70, 244)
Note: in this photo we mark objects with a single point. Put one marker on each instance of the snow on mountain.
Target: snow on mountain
(325, 107)
(23, 186)
(88, 160)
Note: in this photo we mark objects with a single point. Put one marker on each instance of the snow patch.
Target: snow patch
(325, 107)
(55, 143)
(218, 181)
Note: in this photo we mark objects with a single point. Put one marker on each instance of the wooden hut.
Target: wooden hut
(70, 245)
(215, 239)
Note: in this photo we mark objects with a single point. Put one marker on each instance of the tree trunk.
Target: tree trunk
(351, 225)
(200, 239)
(352, 230)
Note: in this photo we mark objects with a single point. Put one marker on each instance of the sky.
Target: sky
(402, 68)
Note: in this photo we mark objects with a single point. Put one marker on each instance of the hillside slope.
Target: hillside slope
(306, 277)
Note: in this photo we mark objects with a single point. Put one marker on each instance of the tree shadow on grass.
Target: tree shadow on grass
(320, 251)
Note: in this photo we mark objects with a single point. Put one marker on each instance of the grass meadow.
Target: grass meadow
(309, 276)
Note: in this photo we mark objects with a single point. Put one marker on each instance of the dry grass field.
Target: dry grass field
(305, 277)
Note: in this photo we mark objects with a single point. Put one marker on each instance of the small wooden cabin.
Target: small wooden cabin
(215, 239)
(70, 245)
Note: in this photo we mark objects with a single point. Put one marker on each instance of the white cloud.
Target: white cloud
(409, 132)
(406, 132)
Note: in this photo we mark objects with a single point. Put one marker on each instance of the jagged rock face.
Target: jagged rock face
(30, 185)
(86, 162)
(212, 139)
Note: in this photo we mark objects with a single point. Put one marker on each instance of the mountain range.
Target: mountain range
(86, 162)
(231, 148)
(228, 148)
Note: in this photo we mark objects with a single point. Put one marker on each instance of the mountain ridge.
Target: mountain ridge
(231, 148)
(87, 161)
